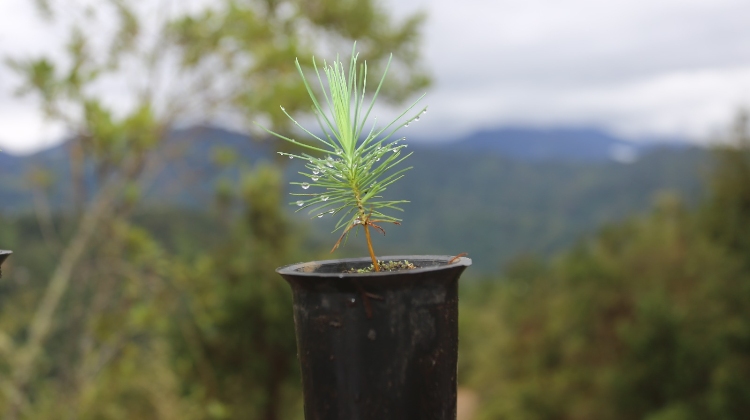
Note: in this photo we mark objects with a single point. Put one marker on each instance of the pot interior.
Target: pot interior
(341, 266)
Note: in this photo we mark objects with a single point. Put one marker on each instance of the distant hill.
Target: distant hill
(494, 194)
(186, 177)
(496, 208)
(560, 144)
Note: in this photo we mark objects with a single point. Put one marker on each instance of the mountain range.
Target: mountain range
(495, 193)
(560, 144)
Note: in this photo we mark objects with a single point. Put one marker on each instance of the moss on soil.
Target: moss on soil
(385, 266)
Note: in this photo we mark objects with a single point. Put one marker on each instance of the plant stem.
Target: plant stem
(369, 248)
(364, 218)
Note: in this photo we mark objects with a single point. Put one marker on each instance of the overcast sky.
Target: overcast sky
(638, 68)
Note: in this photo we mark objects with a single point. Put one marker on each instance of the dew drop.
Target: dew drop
(320, 215)
(329, 164)
(283, 109)
(305, 185)
(291, 157)
(314, 178)
(376, 160)
(324, 198)
(300, 203)
(315, 171)
(406, 125)
(331, 211)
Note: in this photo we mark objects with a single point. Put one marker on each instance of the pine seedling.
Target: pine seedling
(348, 169)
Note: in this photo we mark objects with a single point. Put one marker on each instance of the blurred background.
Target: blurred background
(593, 158)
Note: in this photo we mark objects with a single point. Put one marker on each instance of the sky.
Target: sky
(636, 68)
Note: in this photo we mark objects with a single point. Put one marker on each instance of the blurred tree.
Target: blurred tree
(99, 346)
(255, 42)
(642, 322)
(648, 320)
(727, 211)
(247, 360)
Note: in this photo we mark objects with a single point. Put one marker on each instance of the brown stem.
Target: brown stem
(457, 257)
(369, 248)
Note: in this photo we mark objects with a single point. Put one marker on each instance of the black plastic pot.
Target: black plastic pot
(3, 255)
(377, 345)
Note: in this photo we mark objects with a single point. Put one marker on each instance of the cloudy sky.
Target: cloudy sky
(638, 68)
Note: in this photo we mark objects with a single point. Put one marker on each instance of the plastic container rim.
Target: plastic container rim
(295, 269)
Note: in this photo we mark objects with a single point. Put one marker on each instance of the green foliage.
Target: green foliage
(180, 329)
(177, 316)
(256, 43)
(496, 208)
(642, 322)
(236, 346)
(103, 319)
(646, 320)
(727, 213)
(353, 181)
(110, 325)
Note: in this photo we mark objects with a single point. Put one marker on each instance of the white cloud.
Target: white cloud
(687, 103)
(23, 130)
(24, 35)
(638, 67)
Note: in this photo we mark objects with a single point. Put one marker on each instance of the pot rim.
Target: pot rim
(296, 269)
(4, 254)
